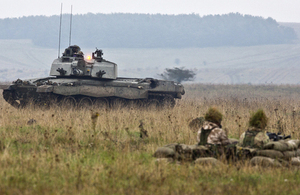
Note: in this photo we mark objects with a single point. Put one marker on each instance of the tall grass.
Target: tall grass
(65, 152)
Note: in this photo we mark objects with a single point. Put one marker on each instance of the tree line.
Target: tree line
(148, 30)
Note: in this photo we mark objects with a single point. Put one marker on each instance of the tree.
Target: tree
(178, 74)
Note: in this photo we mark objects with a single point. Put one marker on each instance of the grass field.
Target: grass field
(68, 152)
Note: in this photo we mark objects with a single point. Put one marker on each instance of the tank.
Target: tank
(78, 82)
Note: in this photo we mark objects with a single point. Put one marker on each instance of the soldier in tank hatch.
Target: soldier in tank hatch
(72, 51)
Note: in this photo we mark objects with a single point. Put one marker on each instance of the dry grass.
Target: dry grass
(62, 153)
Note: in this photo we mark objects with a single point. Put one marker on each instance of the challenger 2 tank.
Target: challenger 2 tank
(76, 82)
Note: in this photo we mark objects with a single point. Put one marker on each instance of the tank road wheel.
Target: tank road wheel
(53, 101)
(101, 103)
(140, 103)
(68, 103)
(31, 103)
(131, 104)
(168, 102)
(38, 103)
(153, 103)
(44, 102)
(85, 103)
(118, 103)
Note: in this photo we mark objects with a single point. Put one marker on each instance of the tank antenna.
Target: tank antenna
(60, 30)
(70, 26)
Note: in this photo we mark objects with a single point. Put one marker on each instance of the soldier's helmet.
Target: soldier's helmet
(214, 116)
(75, 48)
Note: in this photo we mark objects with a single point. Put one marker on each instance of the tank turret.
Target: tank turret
(73, 64)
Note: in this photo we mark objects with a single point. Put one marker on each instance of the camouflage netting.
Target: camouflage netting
(258, 120)
(213, 115)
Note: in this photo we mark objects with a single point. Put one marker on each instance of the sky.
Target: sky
(280, 10)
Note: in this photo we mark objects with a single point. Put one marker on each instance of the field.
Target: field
(277, 64)
(79, 152)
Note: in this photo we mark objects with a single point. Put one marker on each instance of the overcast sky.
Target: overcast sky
(280, 10)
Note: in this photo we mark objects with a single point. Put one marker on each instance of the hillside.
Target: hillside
(22, 59)
(149, 30)
(254, 64)
(295, 26)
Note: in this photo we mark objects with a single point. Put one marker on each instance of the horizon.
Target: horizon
(78, 14)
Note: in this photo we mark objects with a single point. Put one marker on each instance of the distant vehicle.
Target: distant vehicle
(76, 82)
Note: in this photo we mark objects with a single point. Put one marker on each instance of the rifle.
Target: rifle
(277, 137)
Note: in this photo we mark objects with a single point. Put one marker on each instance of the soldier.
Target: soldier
(211, 132)
(71, 51)
(255, 137)
(79, 54)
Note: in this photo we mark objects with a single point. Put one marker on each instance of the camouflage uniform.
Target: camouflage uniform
(253, 138)
(216, 136)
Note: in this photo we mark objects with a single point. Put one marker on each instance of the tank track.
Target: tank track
(49, 99)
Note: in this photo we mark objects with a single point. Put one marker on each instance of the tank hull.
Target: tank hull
(82, 92)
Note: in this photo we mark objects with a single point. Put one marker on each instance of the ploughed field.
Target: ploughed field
(276, 64)
(57, 151)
